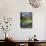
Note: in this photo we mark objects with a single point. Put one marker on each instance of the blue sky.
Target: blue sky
(26, 13)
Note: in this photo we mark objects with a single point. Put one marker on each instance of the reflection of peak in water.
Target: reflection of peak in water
(26, 25)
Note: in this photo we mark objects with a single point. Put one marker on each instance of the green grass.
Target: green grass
(26, 19)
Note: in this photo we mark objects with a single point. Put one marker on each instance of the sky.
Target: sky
(26, 13)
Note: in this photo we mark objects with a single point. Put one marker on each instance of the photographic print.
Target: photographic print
(26, 19)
